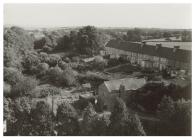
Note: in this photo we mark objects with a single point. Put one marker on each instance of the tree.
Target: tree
(123, 123)
(54, 74)
(68, 77)
(22, 108)
(133, 35)
(99, 126)
(88, 116)
(30, 61)
(24, 86)
(53, 60)
(42, 120)
(12, 76)
(67, 120)
(176, 120)
(42, 69)
(87, 40)
(9, 116)
(16, 42)
(166, 108)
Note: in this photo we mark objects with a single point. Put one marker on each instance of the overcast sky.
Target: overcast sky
(102, 15)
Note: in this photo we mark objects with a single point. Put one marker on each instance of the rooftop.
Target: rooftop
(129, 83)
(165, 52)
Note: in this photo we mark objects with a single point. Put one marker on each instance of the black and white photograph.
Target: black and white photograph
(97, 69)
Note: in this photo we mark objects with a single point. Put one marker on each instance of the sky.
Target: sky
(177, 16)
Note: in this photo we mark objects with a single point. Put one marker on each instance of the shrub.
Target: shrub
(24, 86)
(47, 48)
(44, 58)
(75, 59)
(12, 76)
(31, 60)
(68, 77)
(54, 74)
(53, 60)
(42, 68)
(63, 65)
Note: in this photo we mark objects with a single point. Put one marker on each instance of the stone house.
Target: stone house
(109, 90)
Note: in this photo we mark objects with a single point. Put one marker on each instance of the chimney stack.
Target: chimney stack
(158, 46)
(175, 48)
(143, 43)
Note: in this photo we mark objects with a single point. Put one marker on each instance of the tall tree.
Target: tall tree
(42, 120)
(88, 40)
(67, 120)
(123, 123)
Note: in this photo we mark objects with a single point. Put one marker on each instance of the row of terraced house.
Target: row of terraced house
(149, 56)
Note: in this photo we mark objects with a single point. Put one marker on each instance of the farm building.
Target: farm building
(150, 56)
(109, 90)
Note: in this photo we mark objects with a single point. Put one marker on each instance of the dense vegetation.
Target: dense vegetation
(31, 62)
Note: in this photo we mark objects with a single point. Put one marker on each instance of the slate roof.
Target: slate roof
(129, 83)
(165, 52)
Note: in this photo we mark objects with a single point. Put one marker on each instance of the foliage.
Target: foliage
(24, 86)
(9, 116)
(177, 117)
(16, 42)
(42, 69)
(12, 75)
(31, 60)
(42, 121)
(133, 35)
(122, 123)
(87, 40)
(99, 63)
(166, 108)
(54, 74)
(68, 77)
(53, 60)
(88, 115)
(6, 89)
(67, 120)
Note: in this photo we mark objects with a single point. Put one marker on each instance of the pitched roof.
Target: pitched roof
(165, 52)
(129, 83)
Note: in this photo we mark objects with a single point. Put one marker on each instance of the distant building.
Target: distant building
(150, 56)
(109, 90)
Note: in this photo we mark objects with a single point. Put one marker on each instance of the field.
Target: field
(183, 45)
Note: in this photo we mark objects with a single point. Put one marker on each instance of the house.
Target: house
(109, 90)
(152, 56)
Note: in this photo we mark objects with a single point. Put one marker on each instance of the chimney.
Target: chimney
(158, 46)
(143, 43)
(175, 48)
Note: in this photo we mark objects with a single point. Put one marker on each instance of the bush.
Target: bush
(68, 77)
(47, 49)
(75, 59)
(44, 58)
(53, 60)
(63, 65)
(24, 86)
(12, 76)
(54, 75)
(42, 68)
